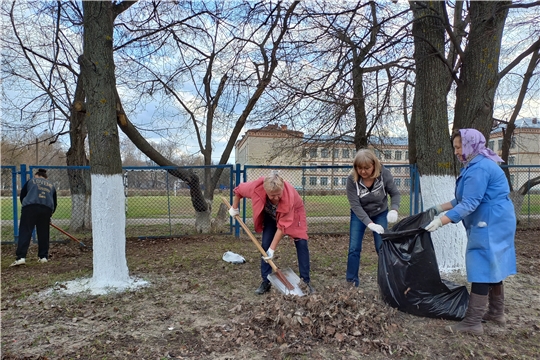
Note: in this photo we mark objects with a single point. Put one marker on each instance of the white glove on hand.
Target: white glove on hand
(434, 225)
(270, 254)
(438, 209)
(233, 212)
(392, 216)
(376, 228)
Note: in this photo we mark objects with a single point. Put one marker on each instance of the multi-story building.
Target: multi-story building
(327, 162)
(524, 149)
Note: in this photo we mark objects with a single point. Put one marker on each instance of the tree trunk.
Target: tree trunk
(434, 155)
(79, 180)
(479, 76)
(108, 216)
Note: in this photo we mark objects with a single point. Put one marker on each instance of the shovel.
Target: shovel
(285, 281)
(81, 244)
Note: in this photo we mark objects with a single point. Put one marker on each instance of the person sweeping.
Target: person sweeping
(38, 199)
(483, 205)
(278, 210)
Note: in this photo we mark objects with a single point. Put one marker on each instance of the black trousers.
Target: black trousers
(38, 216)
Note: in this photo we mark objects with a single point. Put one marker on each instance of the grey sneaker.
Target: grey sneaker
(21, 261)
(42, 260)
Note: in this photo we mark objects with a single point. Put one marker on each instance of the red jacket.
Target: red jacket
(290, 214)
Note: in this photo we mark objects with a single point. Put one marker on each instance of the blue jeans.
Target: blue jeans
(356, 234)
(302, 251)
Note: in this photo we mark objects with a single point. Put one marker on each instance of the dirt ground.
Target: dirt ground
(197, 306)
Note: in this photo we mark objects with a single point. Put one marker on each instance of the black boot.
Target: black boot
(263, 288)
(309, 288)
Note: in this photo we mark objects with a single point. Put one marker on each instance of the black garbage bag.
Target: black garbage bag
(408, 274)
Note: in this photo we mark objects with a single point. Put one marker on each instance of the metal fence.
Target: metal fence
(322, 189)
(158, 204)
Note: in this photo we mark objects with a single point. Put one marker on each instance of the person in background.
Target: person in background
(483, 205)
(368, 187)
(38, 199)
(278, 210)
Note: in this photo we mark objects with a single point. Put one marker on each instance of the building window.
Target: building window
(397, 155)
(408, 182)
(312, 180)
(336, 181)
(304, 153)
(313, 152)
(407, 155)
(324, 153)
(397, 170)
(324, 180)
(343, 181)
(397, 182)
(336, 153)
(345, 169)
(313, 168)
(513, 143)
(511, 160)
(491, 144)
(387, 154)
(512, 178)
(500, 144)
(324, 169)
(345, 153)
(378, 154)
(303, 181)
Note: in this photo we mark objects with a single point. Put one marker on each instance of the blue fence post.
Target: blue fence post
(236, 224)
(416, 190)
(15, 205)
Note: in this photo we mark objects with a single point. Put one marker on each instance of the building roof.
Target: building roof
(523, 123)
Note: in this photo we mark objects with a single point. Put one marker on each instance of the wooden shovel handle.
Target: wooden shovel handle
(250, 234)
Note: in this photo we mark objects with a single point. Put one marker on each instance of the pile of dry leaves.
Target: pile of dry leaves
(343, 317)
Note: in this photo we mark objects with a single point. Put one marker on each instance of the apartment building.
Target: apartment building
(524, 149)
(277, 145)
(326, 162)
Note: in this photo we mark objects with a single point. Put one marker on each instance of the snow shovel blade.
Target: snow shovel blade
(280, 285)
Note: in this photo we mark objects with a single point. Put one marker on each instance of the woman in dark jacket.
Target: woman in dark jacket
(368, 187)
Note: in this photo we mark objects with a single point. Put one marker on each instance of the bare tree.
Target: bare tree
(108, 217)
(343, 64)
(229, 55)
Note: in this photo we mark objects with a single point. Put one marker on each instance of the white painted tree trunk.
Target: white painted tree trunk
(78, 208)
(109, 233)
(450, 241)
(88, 212)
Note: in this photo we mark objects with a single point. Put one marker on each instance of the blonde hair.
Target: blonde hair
(365, 158)
(273, 182)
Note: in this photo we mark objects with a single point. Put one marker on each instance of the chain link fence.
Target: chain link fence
(159, 204)
(323, 190)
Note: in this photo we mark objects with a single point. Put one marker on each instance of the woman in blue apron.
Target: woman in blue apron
(482, 203)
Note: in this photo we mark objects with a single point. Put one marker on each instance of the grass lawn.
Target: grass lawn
(151, 207)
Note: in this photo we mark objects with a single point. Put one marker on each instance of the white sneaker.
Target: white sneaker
(42, 260)
(21, 261)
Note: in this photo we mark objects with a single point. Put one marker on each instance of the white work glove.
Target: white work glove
(376, 228)
(438, 209)
(233, 212)
(392, 216)
(434, 225)
(270, 254)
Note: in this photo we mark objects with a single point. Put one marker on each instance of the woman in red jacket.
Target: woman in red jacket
(278, 210)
